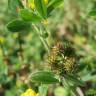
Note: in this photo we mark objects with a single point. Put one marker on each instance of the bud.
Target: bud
(32, 5)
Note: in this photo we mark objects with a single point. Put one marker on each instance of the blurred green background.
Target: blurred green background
(70, 22)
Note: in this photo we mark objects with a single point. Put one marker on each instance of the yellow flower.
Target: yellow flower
(32, 5)
(29, 92)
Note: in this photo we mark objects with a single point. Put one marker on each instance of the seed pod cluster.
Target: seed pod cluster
(62, 58)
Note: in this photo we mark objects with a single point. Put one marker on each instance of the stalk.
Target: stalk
(43, 40)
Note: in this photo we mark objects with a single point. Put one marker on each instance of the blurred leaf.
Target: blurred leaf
(74, 81)
(44, 77)
(89, 77)
(52, 5)
(49, 10)
(60, 91)
(28, 15)
(18, 25)
(91, 92)
(55, 3)
(14, 4)
(45, 35)
(41, 7)
(81, 67)
(43, 90)
(93, 14)
(8, 93)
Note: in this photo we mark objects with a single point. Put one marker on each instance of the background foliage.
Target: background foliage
(73, 21)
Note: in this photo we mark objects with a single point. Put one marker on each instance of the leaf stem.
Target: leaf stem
(43, 40)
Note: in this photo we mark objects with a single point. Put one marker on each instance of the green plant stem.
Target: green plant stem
(20, 47)
(79, 91)
(4, 55)
(43, 40)
(6, 58)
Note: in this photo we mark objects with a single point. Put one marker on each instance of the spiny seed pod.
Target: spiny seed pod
(62, 58)
(54, 56)
(69, 64)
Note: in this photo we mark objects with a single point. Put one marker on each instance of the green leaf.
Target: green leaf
(55, 3)
(52, 5)
(8, 93)
(93, 14)
(41, 8)
(91, 92)
(18, 25)
(89, 77)
(60, 91)
(81, 67)
(50, 10)
(14, 4)
(44, 77)
(28, 15)
(74, 81)
(43, 90)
